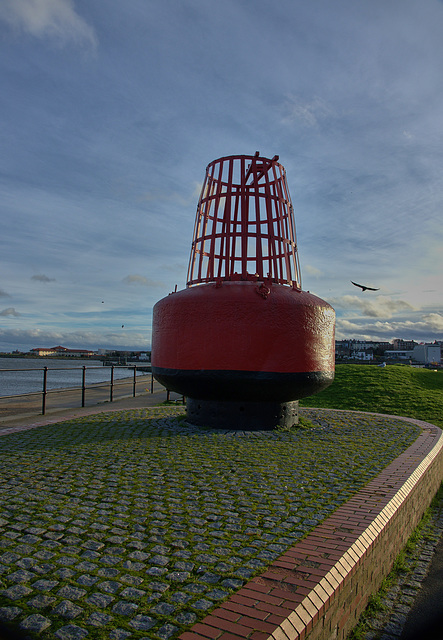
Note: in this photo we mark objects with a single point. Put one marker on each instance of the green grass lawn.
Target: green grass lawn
(395, 389)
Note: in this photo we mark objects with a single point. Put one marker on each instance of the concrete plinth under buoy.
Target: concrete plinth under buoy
(248, 416)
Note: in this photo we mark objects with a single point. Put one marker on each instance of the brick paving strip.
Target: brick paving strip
(132, 524)
(319, 587)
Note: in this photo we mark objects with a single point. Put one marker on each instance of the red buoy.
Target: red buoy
(243, 342)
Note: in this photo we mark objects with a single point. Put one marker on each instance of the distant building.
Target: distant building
(427, 353)
(403, 345)
(399, 349)
(62, 352)
(362, 355)
(397, 354)
(355, 349)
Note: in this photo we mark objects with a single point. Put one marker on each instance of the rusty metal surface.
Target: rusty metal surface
(231, 327)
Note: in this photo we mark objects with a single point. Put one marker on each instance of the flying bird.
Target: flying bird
(364, 287)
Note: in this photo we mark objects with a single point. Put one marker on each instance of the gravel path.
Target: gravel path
(134, 524)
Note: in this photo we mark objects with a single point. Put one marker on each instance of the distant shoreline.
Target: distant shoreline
(100, 358)
(54, 357)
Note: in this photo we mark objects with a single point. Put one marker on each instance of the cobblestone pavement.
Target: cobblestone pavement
(135, 524)
(390, 620)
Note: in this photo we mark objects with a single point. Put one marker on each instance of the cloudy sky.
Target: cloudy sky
(110, 112)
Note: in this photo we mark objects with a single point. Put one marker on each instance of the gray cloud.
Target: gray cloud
(420, 328)
(28, 339)
(10, 311)
(99, 164)
(42, 278)
(3, 294)
(434, 320)
(184, 200)
(54, 19)
(312, 271)
(308, 113)
(378, 307)
(136, 279)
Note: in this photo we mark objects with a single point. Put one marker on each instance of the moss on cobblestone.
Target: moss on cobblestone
(137, 523)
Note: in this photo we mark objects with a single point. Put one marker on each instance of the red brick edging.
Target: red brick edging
(318, 588)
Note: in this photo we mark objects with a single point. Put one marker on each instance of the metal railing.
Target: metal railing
(84, 386)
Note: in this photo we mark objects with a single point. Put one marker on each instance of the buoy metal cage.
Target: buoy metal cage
(244, 227)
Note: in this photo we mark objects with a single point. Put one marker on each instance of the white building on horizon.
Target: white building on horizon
(427, 353)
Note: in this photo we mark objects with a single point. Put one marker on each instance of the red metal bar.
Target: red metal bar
(244, 221)
(244, 226)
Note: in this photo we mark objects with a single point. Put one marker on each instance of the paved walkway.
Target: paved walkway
(407, 602)
(25, 411)
(22, 418)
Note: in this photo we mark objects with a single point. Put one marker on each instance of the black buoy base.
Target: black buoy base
(247, 416)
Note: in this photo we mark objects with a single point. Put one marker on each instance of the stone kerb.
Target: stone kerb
(317, 589)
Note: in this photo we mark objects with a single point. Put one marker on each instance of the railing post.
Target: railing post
(152, 383)
(83, 385)
(45, 376)
(111, 390)
(134, 381)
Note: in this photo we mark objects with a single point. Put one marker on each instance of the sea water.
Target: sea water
(61, 374)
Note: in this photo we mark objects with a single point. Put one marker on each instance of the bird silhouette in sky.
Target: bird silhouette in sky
(364, 287)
